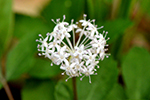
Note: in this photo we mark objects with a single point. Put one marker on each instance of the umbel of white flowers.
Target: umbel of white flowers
(77, 59)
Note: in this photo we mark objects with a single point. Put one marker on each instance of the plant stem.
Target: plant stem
(6, 88)
(74, 88)
(3, 80)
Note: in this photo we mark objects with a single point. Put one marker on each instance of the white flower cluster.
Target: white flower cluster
(76, 58)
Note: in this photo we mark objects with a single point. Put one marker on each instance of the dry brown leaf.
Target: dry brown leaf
(29, 7)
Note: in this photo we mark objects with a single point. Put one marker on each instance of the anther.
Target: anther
(72, 20)
(84, 15)
(58, 19)
(39, 54)
(64, 17)
(93, 20)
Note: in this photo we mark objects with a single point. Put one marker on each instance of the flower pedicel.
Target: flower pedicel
(75, 58)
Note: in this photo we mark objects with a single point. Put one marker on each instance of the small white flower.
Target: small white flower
(71, 27)
(79, 58)
(79, 51)
(90, 57)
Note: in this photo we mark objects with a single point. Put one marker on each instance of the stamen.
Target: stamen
(38, 46)
(39, 50)
(53, 21)
(72, 20)
(39, 54)
(90, 79)
(63, 73)
(100, 27)
(64, 17)
(93, 20)
(68, 78)
(107, 38)
(106, 45)
(82, 77)
(40, 35)
(84, 15)
(103, 32)
(58, 20)
(48, 34)
(107, 56)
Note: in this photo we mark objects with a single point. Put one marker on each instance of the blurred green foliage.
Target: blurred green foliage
(38, 90)
(136, 71)
(18, 51)
(6, 24)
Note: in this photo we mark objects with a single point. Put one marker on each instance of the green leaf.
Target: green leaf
(20, 58)
(108, 1)
(6, 23)
(63, 91)
(117, 93)
(136, 72)
(101, 83)
(27, 25)
(38, 90)
(124, 8)
(43, 69)
(76, 9)
(144, 5)
(116, 27)
(57, 8)
(97, 9)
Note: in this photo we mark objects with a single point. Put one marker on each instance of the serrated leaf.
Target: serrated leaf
(6, 23)
(117, 93)
(116, 27)
(43, 69)
(101, 83)
(136, 72)
(20, 58)
(38, 90)
(63, 91)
